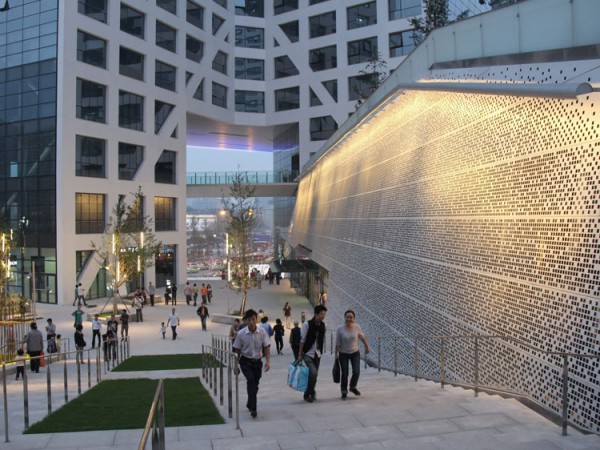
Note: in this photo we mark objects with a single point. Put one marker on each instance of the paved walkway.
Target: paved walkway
(393, 412)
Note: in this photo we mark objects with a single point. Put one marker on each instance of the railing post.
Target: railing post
(442, 365)
(395, 356)
(229, 388)
(221, 378)
(565, 395)
(49, 385)
(476, 368)
(416, 359)
(378, 353)
(237, 394)
(25, 398)
(78, 362)
(89, 370)
(65, 380)
(161, 416)
(5, 401)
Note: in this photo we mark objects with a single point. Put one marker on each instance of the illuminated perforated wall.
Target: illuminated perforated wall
(452, 213)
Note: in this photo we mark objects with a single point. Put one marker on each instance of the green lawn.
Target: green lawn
(166, 362)
(125, 404)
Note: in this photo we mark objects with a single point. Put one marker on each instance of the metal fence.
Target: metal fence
(155, 423)
(252, 177)
(463, 361)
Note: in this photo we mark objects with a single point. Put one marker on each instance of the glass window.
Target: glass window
(283, 6)
(91, 49)
(165, 170)
(131, 64)
(249, 37)
(90, 159)
(362, 15)
(131, 157)
(219, 62)
(332, 88)
(222, 3)
(362, 86)
(363, 50)
(199, 93)
(166, 37)
(131, 111)
(132, 21)
(250, 101)
(217, 22)
(195, 14)
(219, 95)
(89, 213)
(399, 9)
(165, 213)
(165, 76)
(194, 49)
(314, 99)
(168, 5)
(291, 30)
(91, 101)
(288, 98)
(322, 24)
(284, 67)
(252, 8)
(401, 43)
(96, 9)
(322, 128)
(314, 2)
(323, 58)
(249, 69)
(162, 111)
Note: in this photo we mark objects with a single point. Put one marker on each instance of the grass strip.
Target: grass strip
(166, 362)
(125, 404)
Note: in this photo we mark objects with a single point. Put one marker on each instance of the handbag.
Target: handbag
(336, 372)
(298, 376)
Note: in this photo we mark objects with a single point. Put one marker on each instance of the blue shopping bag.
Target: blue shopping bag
(298, 376)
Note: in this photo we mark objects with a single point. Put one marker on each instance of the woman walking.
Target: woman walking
(279, 333)
(346, 349)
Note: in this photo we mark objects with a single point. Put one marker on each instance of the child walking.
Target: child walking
(20, 360)
(163, 329)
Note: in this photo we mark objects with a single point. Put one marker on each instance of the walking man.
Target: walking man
(203, 313)
(78, 315)
(187, 291)
(195, 293)
(96, 328)
(35, 344)
(81, 294)
(124, 325)
(204, 293)
(174, 294)
(137, 304)
(311, 348)
(151, 292)
(250, 343)
(173, 320)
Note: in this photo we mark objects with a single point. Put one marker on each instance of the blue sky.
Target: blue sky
(219, 160)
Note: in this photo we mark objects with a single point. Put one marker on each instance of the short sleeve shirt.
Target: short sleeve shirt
(173, 319)
(251, 343)
(347, 340)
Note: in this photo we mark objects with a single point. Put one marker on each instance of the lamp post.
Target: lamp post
(23, 224)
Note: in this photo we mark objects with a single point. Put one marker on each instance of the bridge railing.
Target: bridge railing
(252, 177)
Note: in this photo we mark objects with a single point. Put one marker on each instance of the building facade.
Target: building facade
(462, 200)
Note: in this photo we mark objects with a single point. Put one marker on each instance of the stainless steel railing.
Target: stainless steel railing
(214, 375)
(459, 360)
(156, 421)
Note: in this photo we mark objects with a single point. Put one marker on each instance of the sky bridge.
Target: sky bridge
(267, 183)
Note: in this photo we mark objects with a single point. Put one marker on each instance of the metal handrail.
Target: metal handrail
(155, 421)
(475, 383)
(253, 177)
(215, 377)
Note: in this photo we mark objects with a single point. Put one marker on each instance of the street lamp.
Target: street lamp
(23, 224)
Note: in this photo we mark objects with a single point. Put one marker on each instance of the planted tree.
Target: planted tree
(128, 246)
(435, 15)
(371, 77)
(241, 218)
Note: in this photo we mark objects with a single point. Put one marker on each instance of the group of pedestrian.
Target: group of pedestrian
(252, 342)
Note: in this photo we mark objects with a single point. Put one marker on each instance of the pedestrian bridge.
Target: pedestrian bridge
(217, 184)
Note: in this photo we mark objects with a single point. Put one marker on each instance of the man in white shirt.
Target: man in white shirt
(250, 343)
(96, 328)
(173, 320)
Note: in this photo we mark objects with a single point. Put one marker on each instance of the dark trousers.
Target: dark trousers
(139, 315)
(94, 334)
(354, 359)
(188, 299)
(313, 372)
(204, 299)
(20, 371)
(34, 363)
(152, 300)
(203, 320)
(195, 299)
(174, 330)
(252, 370)
(279, 343)
(296, 350)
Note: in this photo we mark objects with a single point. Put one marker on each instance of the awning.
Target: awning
(294, 266)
